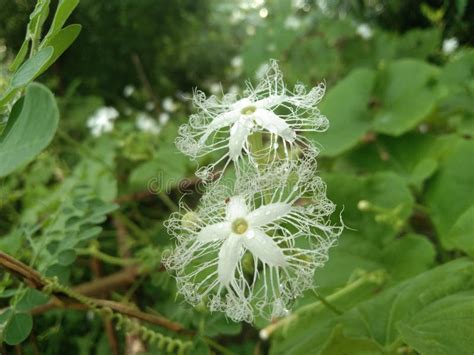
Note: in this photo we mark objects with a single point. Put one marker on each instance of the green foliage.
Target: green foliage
(416, 312)
(31, 127)
(397, 161)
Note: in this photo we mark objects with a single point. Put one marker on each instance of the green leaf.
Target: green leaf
(8, 96)
(18, 328)
(338, 343)
(408, 256)
(20, 57)
(60, 42)
(308, 329)
(444, 327)
(5, 316)
(412, 305)
(31, 68)
(461, 234)
(37, 18)
(31, 299)
(59, 271)
(67, 257)
(408, 96)
(162, 173)
(346, 107)
(450, 194)
(63, 11)
(30, 128)
(413, 156)
(385, 190)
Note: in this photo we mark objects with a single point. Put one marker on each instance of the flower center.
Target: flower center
(239, 226)
(248, 110)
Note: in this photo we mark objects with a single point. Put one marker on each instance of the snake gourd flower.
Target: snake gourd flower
(270, 108)
(251, 248)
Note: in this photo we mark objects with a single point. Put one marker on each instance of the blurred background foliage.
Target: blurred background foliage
(398, 158)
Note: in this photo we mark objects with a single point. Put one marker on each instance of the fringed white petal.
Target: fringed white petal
(222, 120)
(268, 213)
(264, 248)
(238, 136)
(274, 124)
(214, 232)
(236, 208)
(229, 257)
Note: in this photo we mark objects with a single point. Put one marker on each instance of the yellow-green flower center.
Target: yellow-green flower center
(239, 226)
(248, 110)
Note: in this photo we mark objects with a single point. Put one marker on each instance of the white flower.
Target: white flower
(450, 45)
(215, 88)
(254, 248)
(163, 118)
(292, 22)
(237, 62)
(150, 106)
(128, 90)
(269, 108)
(168, 104)
(102, 121)
(147, 124)
(364, 31)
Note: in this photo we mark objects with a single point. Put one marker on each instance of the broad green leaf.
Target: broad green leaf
(408, 96)
(419, 43)
(338, 343)
(407, 256)
(60, 42)
(413, 156)
(30, 129)
(443, 327)
(450, 193)
(346, 107)
(308, 328)
(411, 302)
(63, 11)
(461, 234)
(31, 68)
(18, 328)
(386, 191)
(401, 258)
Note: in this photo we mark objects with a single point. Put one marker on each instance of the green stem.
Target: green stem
(168, 202)
(324, 301)
(109, 259)
(375, 277)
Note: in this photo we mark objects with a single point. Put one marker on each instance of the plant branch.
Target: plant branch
(61, 299)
